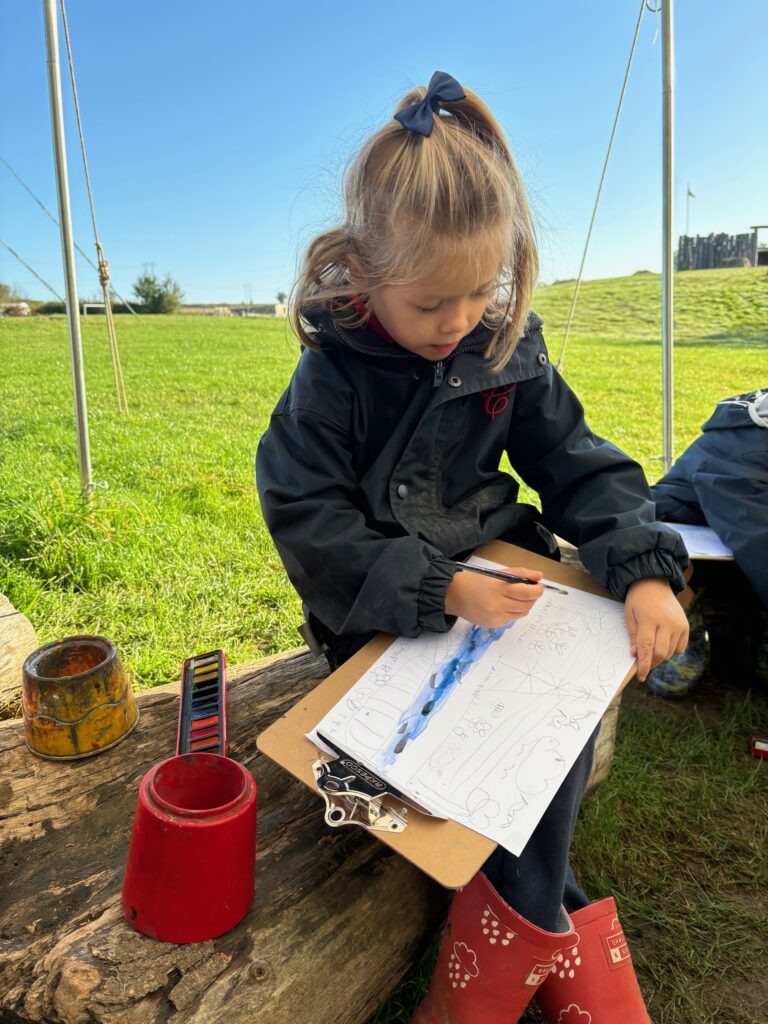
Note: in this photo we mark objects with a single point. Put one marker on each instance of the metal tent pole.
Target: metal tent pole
(67, 242)
(667, 262)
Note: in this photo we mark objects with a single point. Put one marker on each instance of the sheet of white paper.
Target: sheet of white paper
(701, 541)
(483, 725)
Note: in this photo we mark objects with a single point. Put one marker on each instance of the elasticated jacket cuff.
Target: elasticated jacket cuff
(657, 562)
(431, 598)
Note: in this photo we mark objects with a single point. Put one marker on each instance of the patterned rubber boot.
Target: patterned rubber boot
(593, 980)
(682, 673)
(491, 960)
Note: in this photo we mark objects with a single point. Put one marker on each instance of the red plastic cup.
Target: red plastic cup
(192, 856)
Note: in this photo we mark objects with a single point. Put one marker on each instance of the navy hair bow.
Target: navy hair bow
(418, 117)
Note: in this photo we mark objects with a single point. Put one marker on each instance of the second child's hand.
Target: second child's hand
(489, 602)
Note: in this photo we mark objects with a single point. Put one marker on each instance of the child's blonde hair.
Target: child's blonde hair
(412, 201)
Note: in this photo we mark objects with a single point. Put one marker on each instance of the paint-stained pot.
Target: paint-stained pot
(76, 698)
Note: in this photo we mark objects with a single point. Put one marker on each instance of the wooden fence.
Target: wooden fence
(706, 251)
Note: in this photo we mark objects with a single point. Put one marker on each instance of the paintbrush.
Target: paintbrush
(505, 577)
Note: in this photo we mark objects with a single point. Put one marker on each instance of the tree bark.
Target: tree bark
(17, 640)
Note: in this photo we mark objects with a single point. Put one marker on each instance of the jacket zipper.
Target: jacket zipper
(438, 377)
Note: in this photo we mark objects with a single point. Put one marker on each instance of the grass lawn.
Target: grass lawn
(173, 558)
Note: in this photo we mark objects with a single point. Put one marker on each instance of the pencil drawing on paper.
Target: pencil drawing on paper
(482, 725)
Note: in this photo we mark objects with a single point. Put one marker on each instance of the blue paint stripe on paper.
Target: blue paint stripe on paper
(436, 690)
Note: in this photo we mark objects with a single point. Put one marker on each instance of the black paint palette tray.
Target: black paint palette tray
(203, 706)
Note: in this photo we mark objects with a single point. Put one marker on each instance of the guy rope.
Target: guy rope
(31, 270)
(122, 399)
(600, 187)
(53, 220)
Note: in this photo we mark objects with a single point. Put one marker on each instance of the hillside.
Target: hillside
(707, 304)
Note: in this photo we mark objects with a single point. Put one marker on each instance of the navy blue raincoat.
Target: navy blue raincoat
(721, 481)
(379, 467)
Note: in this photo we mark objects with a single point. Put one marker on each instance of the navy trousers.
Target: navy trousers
(538, 882)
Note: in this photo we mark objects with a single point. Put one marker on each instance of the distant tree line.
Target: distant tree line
(153, 295)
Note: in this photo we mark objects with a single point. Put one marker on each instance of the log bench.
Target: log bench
(17, 640)
(337, 921)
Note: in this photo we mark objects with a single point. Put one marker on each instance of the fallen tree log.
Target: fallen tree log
(336, 922)
(17, 640)
(337, 919)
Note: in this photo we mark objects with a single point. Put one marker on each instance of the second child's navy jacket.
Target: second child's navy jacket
(379, 467)
(721, 480)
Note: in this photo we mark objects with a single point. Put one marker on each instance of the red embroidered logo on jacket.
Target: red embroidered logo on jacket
(495, 399)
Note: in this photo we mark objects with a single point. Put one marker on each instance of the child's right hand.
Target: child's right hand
(491, 603)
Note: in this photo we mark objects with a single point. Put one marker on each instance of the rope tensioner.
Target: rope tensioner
(122, 398)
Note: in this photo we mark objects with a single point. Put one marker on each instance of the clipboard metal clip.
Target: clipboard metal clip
(353, 796)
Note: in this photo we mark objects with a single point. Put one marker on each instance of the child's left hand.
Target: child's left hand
(658, 627)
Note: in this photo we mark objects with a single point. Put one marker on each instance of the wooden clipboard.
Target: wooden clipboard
(447, 851)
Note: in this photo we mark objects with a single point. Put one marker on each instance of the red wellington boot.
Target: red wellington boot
(593, 980)
(491, 960)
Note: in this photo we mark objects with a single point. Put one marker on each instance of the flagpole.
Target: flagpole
(667, 262)
(67, 243)
(688, 195)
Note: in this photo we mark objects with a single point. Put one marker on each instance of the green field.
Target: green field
(172, 558)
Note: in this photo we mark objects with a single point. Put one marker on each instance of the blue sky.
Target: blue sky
(217, 133)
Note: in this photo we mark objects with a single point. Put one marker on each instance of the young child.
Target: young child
(721, 481)
(421, 367)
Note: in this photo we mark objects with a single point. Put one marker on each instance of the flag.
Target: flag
(691, 194)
